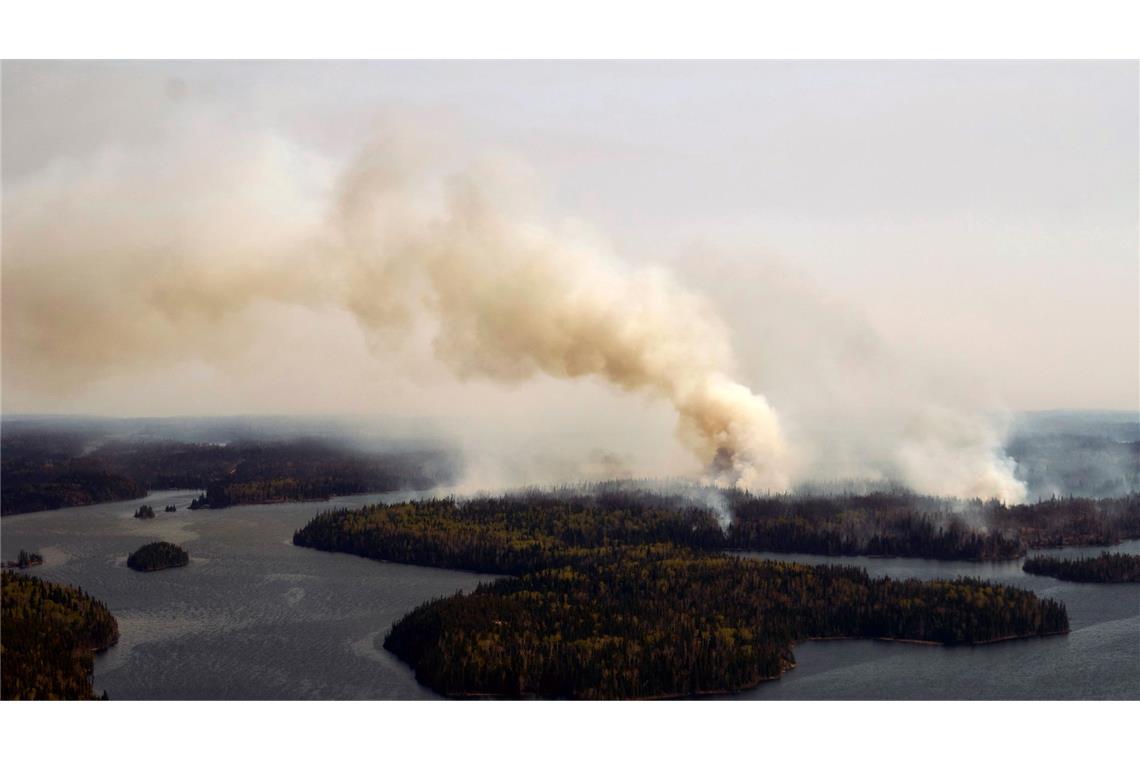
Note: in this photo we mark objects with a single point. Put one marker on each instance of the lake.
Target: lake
(254, 617)
(251, 617)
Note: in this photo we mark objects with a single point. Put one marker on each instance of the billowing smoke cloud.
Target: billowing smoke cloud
(142, 259)
(512, 298)
(858, 409)
(508, 298)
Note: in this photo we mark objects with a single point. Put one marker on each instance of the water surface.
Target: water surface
(254, 617)
(1098, 659)
(251, 617)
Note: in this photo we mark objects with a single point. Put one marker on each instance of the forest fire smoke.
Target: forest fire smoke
(512, 299)
(174, 254)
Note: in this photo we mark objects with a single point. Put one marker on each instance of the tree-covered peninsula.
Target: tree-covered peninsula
(1107, 568)
(50, 633)
(903, 524)
(617, 597)
(159, 555)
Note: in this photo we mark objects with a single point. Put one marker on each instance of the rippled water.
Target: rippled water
(254, 617)
(251, 617)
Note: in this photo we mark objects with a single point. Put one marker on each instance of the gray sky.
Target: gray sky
(983, 216)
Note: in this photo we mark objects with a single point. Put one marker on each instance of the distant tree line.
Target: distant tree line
(51, 471)
(903, 524)
(52, 485)
(1070, 521)
(1107, 568)
(50, 632)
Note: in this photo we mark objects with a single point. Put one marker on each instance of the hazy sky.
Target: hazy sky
(981, 216)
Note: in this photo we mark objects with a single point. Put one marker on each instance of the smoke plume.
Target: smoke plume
(858, 409)
(511, 298)
(185, 253)
(506, 296)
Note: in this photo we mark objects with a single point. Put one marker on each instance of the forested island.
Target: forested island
(25, 559)
(50, 633)
(1107, 568)
(618, 597)
(144, 513)
(160, 555)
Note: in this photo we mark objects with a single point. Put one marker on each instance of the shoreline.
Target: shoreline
(738, 551)
(155, 569)
(789, 665)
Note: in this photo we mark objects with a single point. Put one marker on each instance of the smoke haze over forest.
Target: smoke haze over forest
(586, 270)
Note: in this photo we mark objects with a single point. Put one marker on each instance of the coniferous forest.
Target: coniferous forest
(903, 524)
(614, 597)
(46, 468)
(159, 555)
(49, 470)
(1107, 568)
(50, 633)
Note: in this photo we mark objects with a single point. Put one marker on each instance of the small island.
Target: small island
(171, 508)
(25, 559)
(161, 555)
(1107, 568)
(144, 513)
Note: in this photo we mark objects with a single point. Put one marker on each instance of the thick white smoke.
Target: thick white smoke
(511, 298)
(857, 408)
(137, 261)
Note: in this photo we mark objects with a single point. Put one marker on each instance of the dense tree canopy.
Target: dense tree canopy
(1107, 568)
(49, 634)
(514, 534)
(33, 487)
(1072, 521)
(159, 555)
(877, 524)
(618, 597)
(907, 525)
(49, 471)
